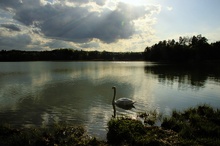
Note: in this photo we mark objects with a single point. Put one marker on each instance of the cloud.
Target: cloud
(78, 24)
(54, 44)
(90, 45)
(98, 2)
(19, 42)
(5, 4)
(75, 23)
(12, 27)
(169, 8)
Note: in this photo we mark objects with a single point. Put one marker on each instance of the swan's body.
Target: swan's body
(124, 103)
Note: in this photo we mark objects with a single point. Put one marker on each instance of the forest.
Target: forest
(186, 49)
(69, 55)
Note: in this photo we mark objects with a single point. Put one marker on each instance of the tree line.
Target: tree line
(69, 55)
(187, 49)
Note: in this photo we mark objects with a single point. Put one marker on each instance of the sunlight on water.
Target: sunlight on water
(80, 93)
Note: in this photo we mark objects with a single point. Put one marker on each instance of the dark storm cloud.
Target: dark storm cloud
(78, 24)
(11, 27)
(18, 42)
(4, 4)
(100, 2)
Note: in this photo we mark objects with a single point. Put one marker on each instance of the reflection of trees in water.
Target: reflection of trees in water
(193, 75)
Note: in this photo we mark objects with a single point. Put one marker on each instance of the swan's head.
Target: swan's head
(114, 87)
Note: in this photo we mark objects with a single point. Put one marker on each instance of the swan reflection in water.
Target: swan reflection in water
(123, 103)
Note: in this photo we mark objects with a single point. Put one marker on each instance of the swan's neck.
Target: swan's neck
(113, 100)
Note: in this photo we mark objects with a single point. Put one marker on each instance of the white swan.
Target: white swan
(124, 103)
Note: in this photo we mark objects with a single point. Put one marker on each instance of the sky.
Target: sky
(104, 25)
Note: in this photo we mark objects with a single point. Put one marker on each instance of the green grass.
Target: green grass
(54, 135)
(200, 124)
(194, 126)
(125, 131)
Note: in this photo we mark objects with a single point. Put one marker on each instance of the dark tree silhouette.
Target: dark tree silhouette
(188, 49)
(68, 55)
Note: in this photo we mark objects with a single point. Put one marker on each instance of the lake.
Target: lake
(80, 93)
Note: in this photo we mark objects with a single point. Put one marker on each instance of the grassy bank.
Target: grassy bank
(194, 126)
(55, 135)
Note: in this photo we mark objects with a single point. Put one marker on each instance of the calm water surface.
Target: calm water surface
(42, 93)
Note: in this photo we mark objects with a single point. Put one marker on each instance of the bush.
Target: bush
(50, 136)
(124, 130)
(200, 124)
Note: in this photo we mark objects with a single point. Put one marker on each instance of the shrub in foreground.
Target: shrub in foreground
(194, 126)
(200, 124)
(50, 136)
(125, 131)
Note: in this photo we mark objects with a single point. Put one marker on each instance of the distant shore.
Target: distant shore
(69, 55)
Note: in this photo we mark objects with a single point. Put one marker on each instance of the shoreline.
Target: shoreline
(194, 126)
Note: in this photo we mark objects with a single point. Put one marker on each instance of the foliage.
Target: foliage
(50, 136)
(187, 49)
(68, 54)
(150, 118)
(195, 126)
(125, 131)
(200, 124)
